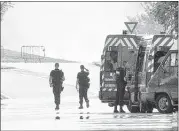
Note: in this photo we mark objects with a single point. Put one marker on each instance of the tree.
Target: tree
(165, 13)
(5, 5)
(146, 24)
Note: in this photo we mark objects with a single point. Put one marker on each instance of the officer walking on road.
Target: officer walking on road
(83, 82)
(56, 82)
(121, 84)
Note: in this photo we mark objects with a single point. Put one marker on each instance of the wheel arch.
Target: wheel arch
(164, 93)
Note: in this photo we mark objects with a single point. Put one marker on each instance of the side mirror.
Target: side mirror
(150, 57)
(102, 56)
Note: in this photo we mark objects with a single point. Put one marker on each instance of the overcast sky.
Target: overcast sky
(73, 31)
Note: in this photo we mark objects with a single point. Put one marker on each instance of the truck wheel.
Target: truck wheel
(163, 104)
(133, 109)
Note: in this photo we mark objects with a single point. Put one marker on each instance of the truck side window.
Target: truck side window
(171, 63)
(174, 59)
(174, 64)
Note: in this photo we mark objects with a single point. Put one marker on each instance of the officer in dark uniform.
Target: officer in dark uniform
(56, 81)
(121, 83)
(83, 82)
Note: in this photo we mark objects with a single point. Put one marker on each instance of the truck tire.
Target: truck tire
(163, 104)
(133, 109)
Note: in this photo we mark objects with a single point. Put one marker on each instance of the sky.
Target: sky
(68, 30)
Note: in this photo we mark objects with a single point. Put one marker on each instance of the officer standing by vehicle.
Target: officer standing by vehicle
(56, 82)
(83, 82)
(121, 84)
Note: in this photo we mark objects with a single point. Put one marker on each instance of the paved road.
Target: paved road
(32, 107)
(33, 114)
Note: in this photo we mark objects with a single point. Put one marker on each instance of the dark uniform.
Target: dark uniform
(57, 82)
(83, 87)
(121, 83)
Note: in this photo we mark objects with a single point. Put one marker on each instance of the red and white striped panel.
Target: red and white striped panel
(116, 40)
(102, 64)
(158, 41)
(161, 40)
(150, 66)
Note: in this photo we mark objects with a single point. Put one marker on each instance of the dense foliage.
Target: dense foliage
(5, 5)
(159, 16)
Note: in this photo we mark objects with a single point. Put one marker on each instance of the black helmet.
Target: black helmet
(56, 64)
(82, 66)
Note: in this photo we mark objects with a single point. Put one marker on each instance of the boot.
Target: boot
(115, 109)
(121, 110)
(57, 107)
(81, 106)
(87, 104)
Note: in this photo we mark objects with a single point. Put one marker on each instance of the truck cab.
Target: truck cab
(152, 72)
(154, 83)
(162, 89)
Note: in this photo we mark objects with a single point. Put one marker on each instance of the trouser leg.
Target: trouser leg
(85, 91)
(117, 99)
(121, 95)
(81, 96)
(56, 92)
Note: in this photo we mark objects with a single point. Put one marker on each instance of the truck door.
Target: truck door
(118, 48)
(168, 78)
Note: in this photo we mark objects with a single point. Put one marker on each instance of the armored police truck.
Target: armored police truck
(150, 83)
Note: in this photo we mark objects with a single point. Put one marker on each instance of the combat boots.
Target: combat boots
(57, 107)
(81, 106)
(121, 110)
(87, 104)
(115, 109)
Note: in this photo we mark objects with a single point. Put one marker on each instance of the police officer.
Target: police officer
(114, 55)
(56, 81)
(83, 82)
(121, 83)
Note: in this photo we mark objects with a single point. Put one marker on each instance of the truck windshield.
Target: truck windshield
(111, 61)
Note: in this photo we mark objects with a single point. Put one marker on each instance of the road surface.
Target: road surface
(31, 105)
